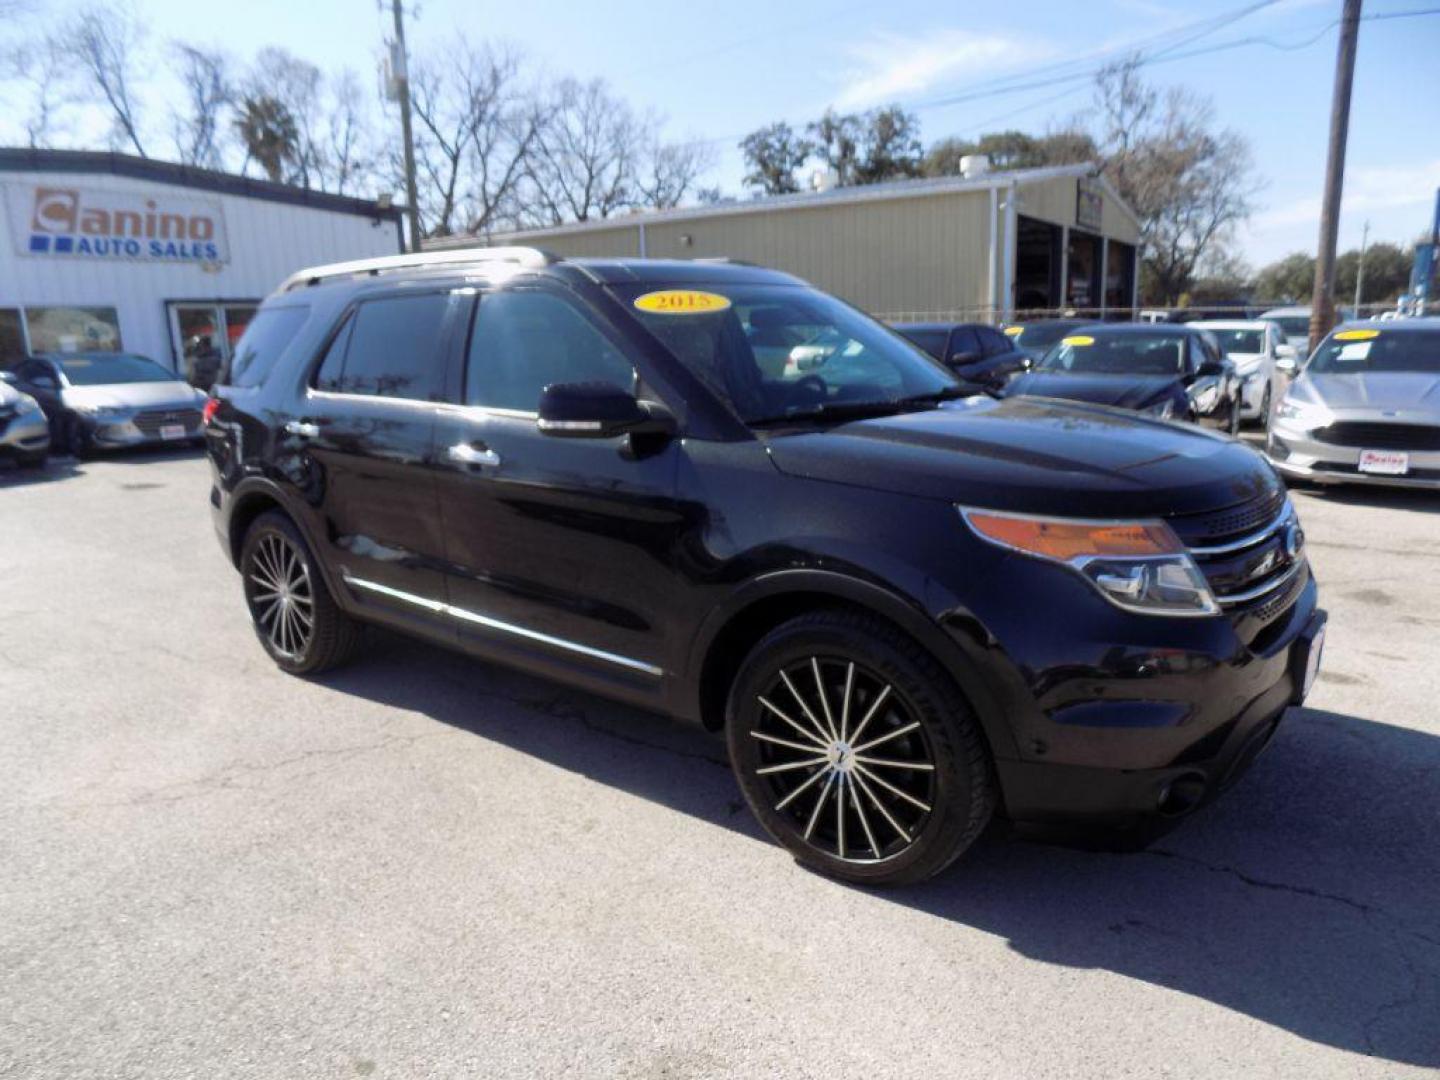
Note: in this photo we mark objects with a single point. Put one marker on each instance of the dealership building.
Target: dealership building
(985, 245)
(108, 251)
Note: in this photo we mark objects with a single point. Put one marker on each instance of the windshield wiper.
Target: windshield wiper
(851, 410)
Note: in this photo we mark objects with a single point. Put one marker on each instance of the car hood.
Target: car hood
(1408, 392)
(9, 396)
(157, 395)
(1033, 456)
(1122, 391)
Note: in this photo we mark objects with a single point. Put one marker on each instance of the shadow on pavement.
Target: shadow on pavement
(1413, 499)
(66, 467)
(1308, 898)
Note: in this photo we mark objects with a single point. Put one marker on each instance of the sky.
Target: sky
(715, 71)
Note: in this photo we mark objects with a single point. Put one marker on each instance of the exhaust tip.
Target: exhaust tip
(1181, 794)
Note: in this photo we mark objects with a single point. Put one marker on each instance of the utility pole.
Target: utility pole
(1360, 269)
(1322, 299)
(400, 72)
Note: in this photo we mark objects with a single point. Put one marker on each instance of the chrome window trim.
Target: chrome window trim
(1287, 511)
(312, 392)
(441, 608)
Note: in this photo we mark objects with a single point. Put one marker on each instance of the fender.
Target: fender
(254, 485)
(975, 683)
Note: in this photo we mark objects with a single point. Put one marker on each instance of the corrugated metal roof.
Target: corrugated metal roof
(895, 189)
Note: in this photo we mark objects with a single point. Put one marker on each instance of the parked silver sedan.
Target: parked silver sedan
(1365, 408)
(24, 431)
(98, 401)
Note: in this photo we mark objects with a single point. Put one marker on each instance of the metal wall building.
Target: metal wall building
(984, 246)
(116, 252)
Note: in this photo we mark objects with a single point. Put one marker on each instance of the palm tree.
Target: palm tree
(268, 131)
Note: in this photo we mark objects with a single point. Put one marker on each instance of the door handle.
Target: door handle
(473, 454)
(302, 428)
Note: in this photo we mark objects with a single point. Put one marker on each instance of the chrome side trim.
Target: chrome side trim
(1287, 511)
(1230, 599)
(441, 608)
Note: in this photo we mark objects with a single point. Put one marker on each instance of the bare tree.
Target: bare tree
(104, 43)
(586, 157)
(670, 171)
(41, 66)
(196, 129)
(475, 129)
(347, 156)
(1189, 183)
(297, 86)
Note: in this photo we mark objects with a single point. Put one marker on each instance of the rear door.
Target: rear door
(364, 446)
(561, 549)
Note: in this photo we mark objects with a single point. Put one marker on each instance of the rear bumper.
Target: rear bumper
(1041, 793)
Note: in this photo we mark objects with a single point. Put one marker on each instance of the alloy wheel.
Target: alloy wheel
(845, 761)
(281, 597)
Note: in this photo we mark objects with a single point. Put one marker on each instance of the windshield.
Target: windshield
(1041, 335)
(1362, 352)
(1293, 325)
(1241, 341)
(774, 352)
(108, 370)
(1096, 352)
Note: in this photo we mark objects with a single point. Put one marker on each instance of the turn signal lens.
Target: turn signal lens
(208, 411)
(1065, 540)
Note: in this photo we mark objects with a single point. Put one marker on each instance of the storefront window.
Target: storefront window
(12, 336)
(1119, 275)
(73, 329)
(1083, 272)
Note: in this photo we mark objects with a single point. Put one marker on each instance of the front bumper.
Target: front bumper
(120, 432)
(24, 436)
(1295, 453)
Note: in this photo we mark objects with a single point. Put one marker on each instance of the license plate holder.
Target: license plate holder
(172, 431)
(1308, 652)
(1384, 462)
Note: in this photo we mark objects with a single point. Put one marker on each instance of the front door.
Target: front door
(558, 547)
(204, 336)
(364, 438)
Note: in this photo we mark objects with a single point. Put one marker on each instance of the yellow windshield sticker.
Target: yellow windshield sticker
(1078, 339)
(1356, 335)
(681, 302)
(1013, 331)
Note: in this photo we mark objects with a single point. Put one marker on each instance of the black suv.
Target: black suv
(909, 608)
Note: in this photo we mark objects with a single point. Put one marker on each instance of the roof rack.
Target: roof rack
(524, 258)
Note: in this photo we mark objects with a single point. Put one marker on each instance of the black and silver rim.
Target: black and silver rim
(844, 760)
(282, 602)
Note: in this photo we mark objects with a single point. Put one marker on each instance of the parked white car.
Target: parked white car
(1255, 347)
(1295, 321)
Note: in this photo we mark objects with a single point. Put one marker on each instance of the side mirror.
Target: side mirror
(960, 359)
(1211, 367)
(1287, 365)
(599, 410)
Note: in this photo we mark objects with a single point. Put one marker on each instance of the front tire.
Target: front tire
(77, 439)
(291, 609)
(856, 750)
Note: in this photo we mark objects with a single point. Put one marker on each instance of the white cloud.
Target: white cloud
(1374, 187)
(889, 67)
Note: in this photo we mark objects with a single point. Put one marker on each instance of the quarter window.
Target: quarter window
(390, 347)
(267, 336)
(523, 341)
(964, 341)
(992, 341)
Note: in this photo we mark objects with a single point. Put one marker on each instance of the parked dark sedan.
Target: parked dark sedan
(1037, 338)
(97, 401)
(976, 352)
(1166, 371)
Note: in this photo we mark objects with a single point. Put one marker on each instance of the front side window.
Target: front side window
(524, 341)
(992, 342)
(267, 336)
(391, 347)
(776, 352)
(1099, 353)
(1360, 352)
(95, 370)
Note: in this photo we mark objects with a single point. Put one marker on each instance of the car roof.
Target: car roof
(938, 325)
(1230, 324)
(1284, 311)
(679, 272)
(88, 354)
(1126, 329)
(1411, 325)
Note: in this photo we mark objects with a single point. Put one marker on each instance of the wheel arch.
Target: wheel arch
(753, 610)
(255, 496)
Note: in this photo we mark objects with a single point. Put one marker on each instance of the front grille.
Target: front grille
(1368, 435)
(1244, 553)
(152, 420)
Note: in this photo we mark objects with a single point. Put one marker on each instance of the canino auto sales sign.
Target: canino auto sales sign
(74, 223)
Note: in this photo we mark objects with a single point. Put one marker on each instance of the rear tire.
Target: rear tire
(877, 773)
(294, 615)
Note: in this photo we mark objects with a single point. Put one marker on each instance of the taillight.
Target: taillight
(212, 406)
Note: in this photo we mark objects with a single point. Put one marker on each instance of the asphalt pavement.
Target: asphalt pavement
(422, 866)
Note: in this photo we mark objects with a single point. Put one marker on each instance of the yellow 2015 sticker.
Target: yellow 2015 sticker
(1078, 339)
(1356, 335)
(681, 302)
(1013, 331)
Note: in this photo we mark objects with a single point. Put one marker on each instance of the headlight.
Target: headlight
(1164, 411)
(1140, 566)
(1303, 414)
(102, 412)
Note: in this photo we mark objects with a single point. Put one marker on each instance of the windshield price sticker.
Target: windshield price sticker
(1356, 335)
(1078, 339)
(1013, 331)
(681, 302)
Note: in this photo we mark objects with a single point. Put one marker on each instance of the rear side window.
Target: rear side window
(265, 339)
(992, 341)
(964, 341)
(932, 341)
(390, 347)
(523, 341)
